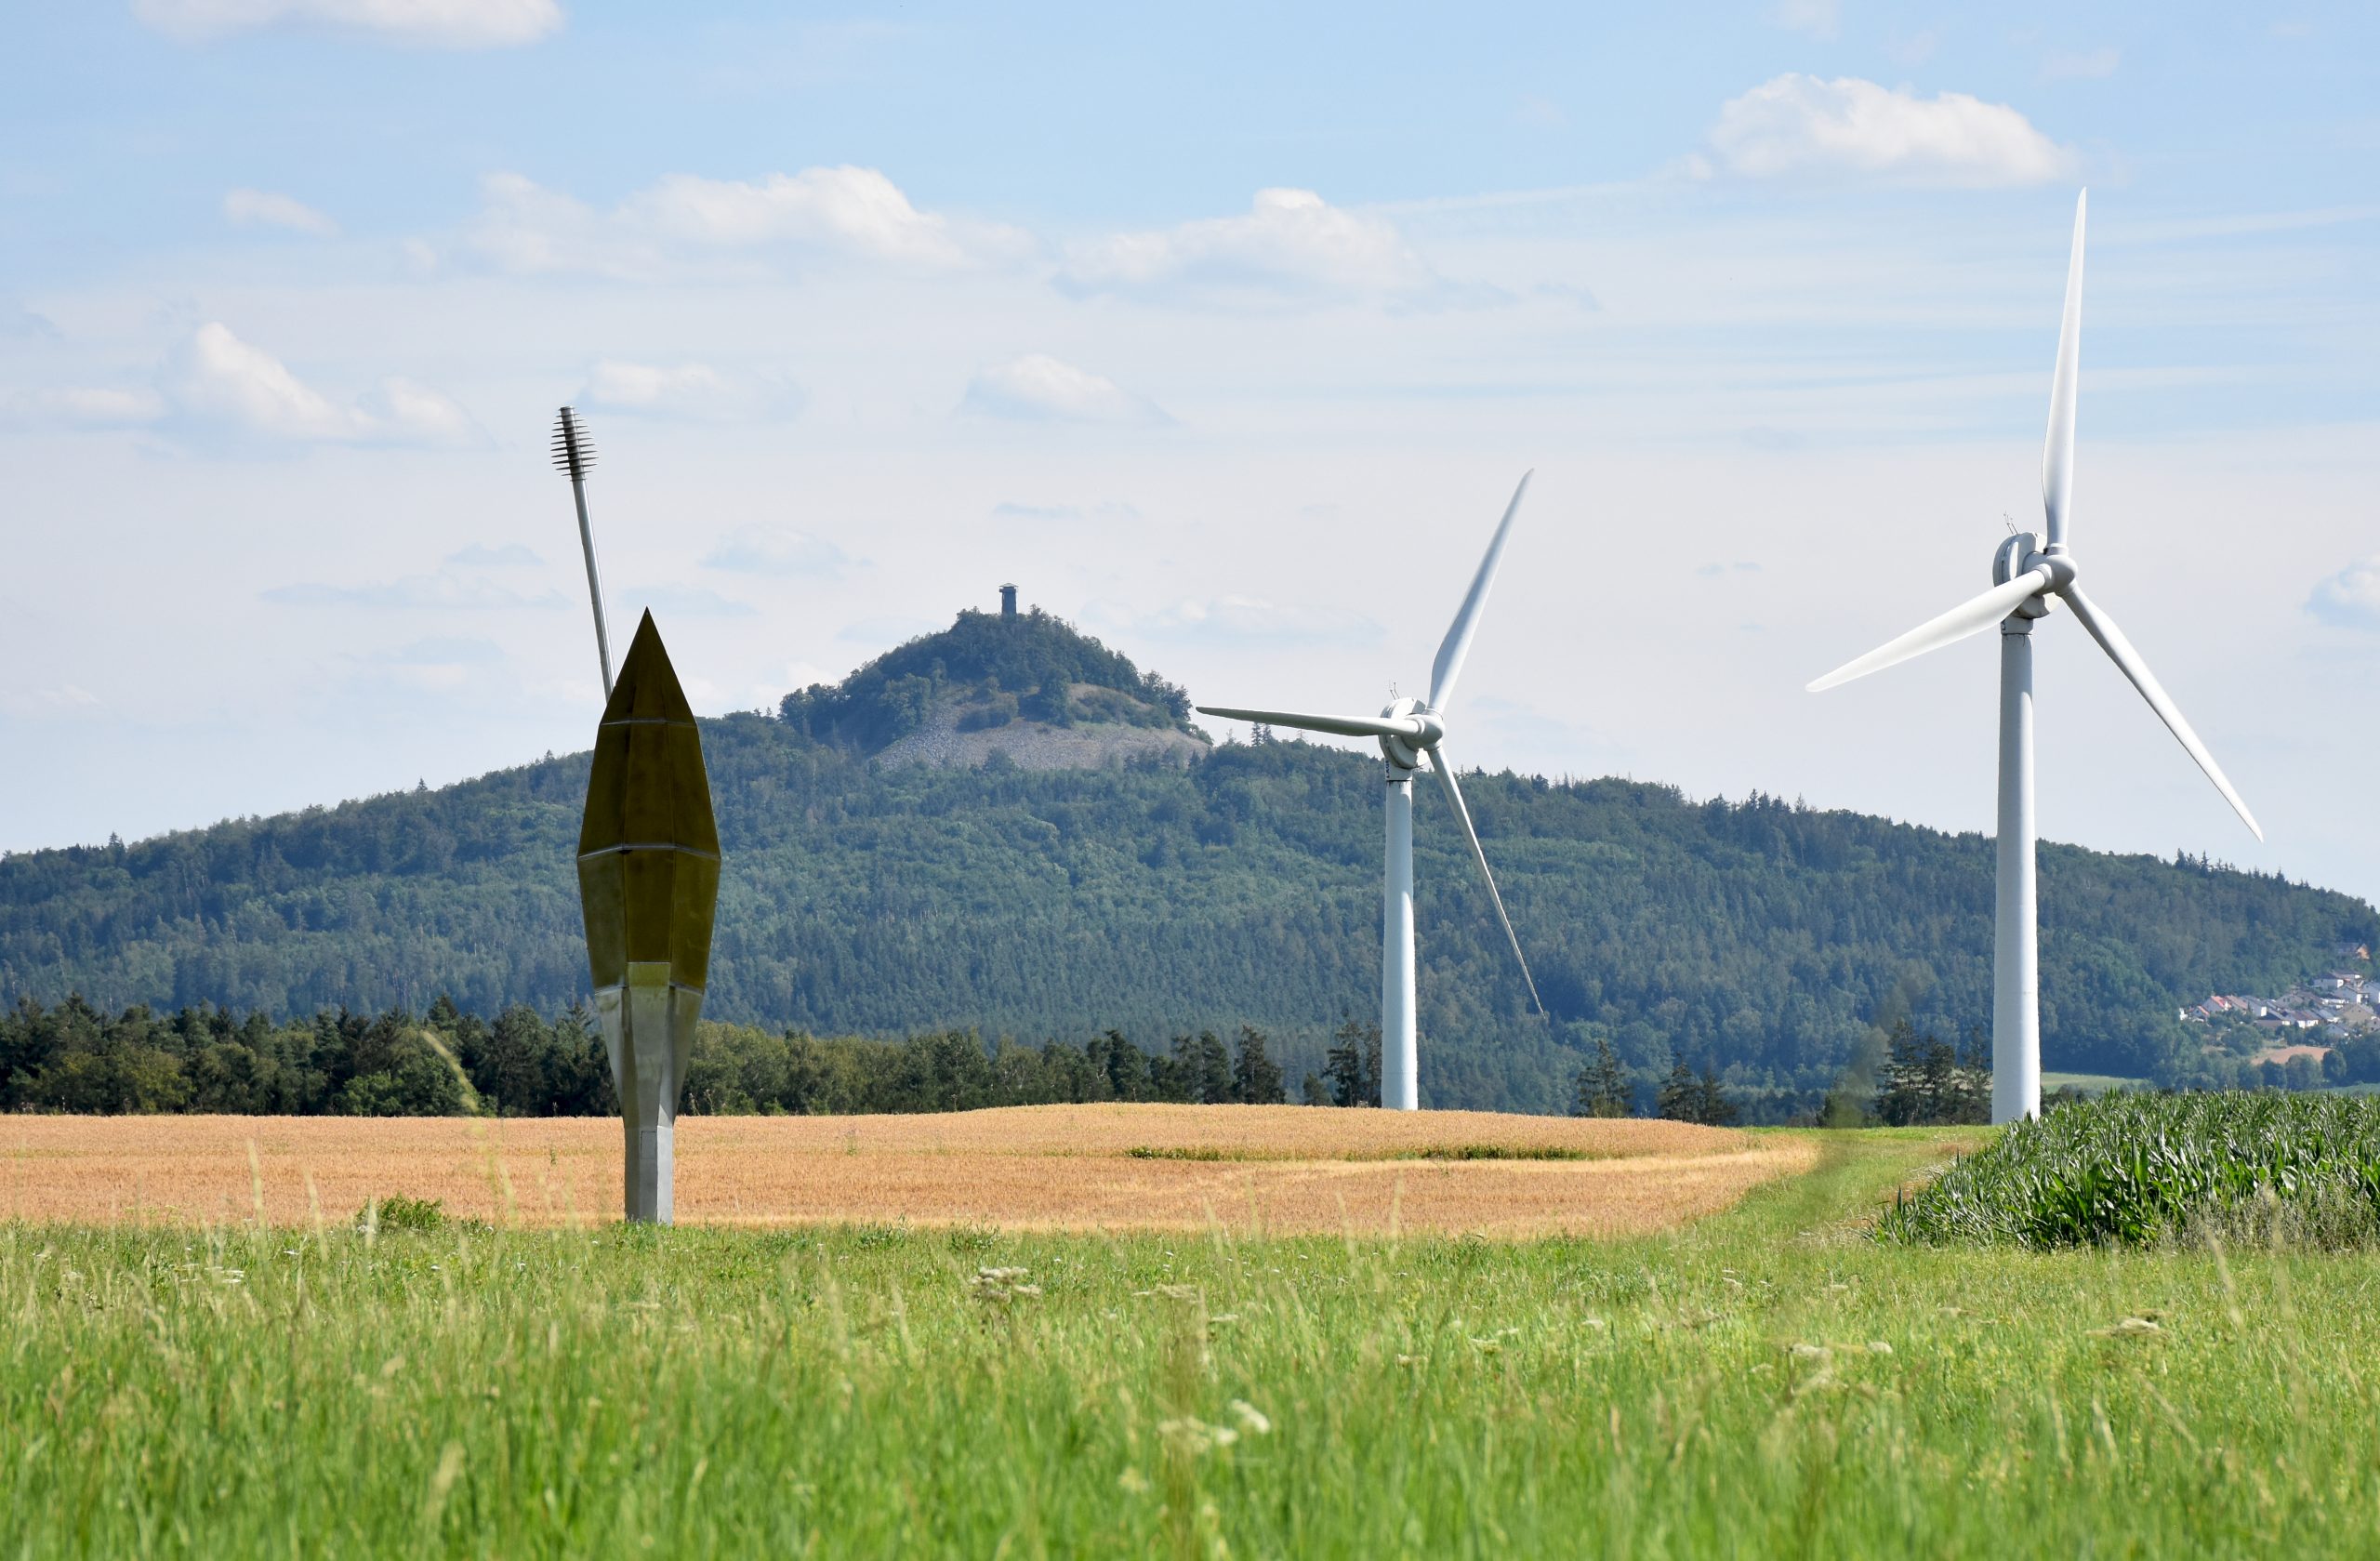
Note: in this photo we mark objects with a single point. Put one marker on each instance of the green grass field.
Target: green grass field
(1769, 1383)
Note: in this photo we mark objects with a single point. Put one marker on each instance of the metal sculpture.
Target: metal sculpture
(648, 881)
(648, 878)
(1412, 731)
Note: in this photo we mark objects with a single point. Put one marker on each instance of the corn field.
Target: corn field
(2143, 1170)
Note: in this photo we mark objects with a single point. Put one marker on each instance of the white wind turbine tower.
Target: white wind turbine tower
(2027, 582)
(1411, 732)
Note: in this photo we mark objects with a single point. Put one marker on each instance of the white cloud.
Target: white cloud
(400, 412)
(478, 555)
(61, 699)
(1912, 49)
(432, 665)
(695, 391)
(444, 591)
(2351, 597)
(854, 211)
(444, 653)
(776, 551)
(268, 210)
(849, 213)
(97, 407)
(1289, 242)
(218, 378)
(1539, 113)
(2092, 65)
(524, 227)
(1798, 126)
(221, 377)
(801, 674)
(647, 385)
(1819, 18)
(1040, 389)
(1107, 512)
(884, 631)
(261, 208)
(461, 24)
(667, 602)
(1245, 619)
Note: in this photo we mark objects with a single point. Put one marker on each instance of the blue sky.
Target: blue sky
(1225, 332)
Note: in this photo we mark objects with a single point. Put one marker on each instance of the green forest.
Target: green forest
(75, 1058)
(1769, 943)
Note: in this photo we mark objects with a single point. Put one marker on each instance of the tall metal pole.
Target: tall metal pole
(2015, 966)
(1400, 1087)
(574, 452)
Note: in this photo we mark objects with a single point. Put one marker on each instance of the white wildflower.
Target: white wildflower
(2130, 1328)
(1194, 1436)
(1001, 1286)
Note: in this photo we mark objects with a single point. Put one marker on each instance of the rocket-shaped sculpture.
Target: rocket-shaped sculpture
(648, 881)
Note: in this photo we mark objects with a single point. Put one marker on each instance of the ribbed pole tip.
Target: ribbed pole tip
(573, 451)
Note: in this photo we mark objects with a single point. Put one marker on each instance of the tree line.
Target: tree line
(75, 1058)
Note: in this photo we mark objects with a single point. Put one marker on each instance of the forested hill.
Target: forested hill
(994, 669)
(1761, 938)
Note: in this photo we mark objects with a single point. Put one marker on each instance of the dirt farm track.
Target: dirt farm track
(1285, 1170)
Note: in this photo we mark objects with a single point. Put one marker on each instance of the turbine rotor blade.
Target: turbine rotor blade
(1457, 644)
(2112, 640)
(1344, 726)
(1969, 618)
(2058, 450)
(1445, 772)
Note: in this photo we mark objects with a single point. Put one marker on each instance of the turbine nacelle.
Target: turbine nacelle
(2021, 554)
(1404, 752)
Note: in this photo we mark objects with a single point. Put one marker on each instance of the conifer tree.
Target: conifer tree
(1255, 1078)
(1602, 1089)
(1353, 1064)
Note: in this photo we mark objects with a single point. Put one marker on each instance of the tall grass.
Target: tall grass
(1768, 1382)
(2144, 1170)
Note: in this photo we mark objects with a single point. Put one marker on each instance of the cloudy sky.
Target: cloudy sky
(1226, 335)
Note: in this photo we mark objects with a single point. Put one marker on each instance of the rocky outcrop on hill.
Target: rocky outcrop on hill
(962, 736)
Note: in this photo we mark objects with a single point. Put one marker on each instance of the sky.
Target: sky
(1224, 332)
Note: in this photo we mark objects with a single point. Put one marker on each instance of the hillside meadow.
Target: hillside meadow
(1766, 1380)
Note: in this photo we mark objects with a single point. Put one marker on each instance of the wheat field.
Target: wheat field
(1282, 1169)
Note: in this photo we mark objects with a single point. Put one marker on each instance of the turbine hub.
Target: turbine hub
(1406, 753)
(2022, 552)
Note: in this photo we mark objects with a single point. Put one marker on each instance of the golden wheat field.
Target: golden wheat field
(1285, 1170)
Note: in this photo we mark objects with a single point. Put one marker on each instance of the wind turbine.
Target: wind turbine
(2027, 581)
(1411, 732)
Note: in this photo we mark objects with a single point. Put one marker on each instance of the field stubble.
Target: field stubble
(1282, 1169)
